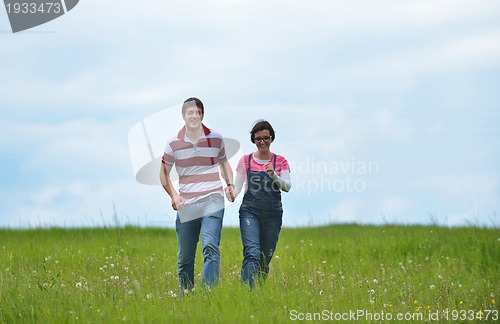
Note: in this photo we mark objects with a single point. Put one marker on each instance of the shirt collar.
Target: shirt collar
(182, 133)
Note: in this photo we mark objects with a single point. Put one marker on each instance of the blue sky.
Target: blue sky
(408, 88)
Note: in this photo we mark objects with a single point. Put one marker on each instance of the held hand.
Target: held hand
(269, 168)
(177, 202)
(230, 193)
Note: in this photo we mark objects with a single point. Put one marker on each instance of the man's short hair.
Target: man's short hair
(191, 102)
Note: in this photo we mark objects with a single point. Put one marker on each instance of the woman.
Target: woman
(264, 174)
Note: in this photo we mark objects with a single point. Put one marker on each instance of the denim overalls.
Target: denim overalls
(260, 223)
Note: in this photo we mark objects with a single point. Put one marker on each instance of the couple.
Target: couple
(198, 153)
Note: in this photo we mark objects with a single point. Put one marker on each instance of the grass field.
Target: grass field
(349, 272)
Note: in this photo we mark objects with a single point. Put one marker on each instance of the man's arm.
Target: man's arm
(177, 200)
(227, 174)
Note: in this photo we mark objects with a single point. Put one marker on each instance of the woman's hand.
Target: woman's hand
(269, 168)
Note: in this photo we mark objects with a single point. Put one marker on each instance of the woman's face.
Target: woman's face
(263, 140)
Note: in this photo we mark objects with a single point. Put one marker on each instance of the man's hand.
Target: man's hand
(177, 202)
(230, 193)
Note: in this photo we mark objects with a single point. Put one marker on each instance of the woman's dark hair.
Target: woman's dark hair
(188, 104)
(261, 125)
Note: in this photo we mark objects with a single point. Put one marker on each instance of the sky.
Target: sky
(387, 110)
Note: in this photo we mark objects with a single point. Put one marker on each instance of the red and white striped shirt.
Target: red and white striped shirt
(197, 165)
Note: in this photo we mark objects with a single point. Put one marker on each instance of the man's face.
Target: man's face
(193, 117)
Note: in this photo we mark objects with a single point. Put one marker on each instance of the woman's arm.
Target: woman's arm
(239, 181)
(283, 181)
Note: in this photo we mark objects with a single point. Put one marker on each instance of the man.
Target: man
(197, 152)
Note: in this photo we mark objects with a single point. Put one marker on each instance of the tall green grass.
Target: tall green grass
(129, 274)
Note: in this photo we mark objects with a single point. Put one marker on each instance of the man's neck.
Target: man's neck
(194, 134)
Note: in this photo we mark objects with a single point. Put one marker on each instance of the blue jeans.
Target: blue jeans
(188, 233)
(260, 225)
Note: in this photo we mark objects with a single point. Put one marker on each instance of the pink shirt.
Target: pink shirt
(281, 175)
(281, 164)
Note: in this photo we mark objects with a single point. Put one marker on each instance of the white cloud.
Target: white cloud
(395, 205)
(253, 40)
(464, 189)
(482, 50)
(353, 210)
(52, 192)
(72, 145)
(107, 203)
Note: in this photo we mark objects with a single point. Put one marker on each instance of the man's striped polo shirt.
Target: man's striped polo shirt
(197, 165)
